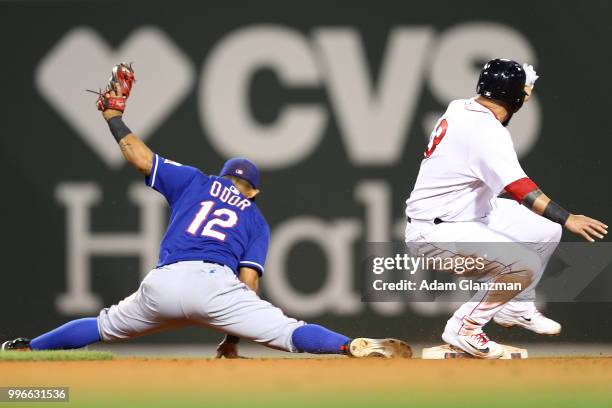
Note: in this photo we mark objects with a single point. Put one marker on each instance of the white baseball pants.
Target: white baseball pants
(508, 222)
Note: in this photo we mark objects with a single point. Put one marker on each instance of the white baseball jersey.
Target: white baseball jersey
(468, 162)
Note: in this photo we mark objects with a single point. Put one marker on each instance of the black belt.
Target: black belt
(435, 221)
(213, 262)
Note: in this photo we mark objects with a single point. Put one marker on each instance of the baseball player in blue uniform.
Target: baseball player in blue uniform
(211, 259)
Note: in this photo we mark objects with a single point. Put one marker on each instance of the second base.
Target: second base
(446, 351)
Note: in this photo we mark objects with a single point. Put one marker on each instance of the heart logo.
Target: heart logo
(82, 59)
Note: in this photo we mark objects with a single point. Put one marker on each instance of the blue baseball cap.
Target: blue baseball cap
(241, 168)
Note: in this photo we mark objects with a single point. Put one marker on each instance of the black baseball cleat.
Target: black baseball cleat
(19, 344)
(386, 348)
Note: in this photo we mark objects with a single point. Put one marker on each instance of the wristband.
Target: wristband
(232, 339)
(531, 198)
(118, 128)
(556, 213)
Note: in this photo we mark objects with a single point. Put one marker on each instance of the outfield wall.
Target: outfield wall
(334, 102)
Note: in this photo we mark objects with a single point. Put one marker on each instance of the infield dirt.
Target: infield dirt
(333, 382)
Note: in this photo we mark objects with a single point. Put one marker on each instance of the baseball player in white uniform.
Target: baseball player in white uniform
(469, 161)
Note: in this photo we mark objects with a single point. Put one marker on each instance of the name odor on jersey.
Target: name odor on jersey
(229, 195)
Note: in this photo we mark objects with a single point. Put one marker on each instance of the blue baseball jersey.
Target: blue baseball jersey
(209, 219)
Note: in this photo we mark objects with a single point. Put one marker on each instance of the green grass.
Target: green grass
(56, 355)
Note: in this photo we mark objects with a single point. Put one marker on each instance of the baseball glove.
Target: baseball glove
(118, 89)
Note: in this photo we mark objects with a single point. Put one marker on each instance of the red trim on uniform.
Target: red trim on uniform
(476, 110)
(520, 188)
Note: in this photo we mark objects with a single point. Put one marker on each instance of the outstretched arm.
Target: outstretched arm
(135, 151)
(111, 102)
(527, 192)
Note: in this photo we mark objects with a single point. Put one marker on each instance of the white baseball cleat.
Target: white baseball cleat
(477, 344)
(388, 348)
(534, 321)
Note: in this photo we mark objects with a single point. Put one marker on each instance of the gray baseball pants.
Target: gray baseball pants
(194, 293)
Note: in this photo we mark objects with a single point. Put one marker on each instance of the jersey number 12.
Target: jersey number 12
(224, 218)
(436, 137)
